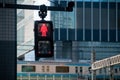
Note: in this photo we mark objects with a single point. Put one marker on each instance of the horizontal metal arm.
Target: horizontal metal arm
(34, 7)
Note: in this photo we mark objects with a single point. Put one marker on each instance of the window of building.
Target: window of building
(118, 22)
(116, 70)
(87, 16)
(20, 1)
(62, 69)
(58, 49)
(20, 15)
(100, 71)
(104, 21)
(20, 35)
(79, 16)
(119, 68)
(63, 50)
(26, 68)
(118, 17)
(76, 69)
(87, 21)
(48, 69)
(67, 49)
(81, 69)
(105, 70)
(43, 68)
(71, 34)
(96, 23)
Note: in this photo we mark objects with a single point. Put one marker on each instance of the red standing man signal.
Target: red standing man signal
(44, 46)
(43, 29)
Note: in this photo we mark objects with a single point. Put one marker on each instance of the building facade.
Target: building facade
(93, 25)
(25, 25)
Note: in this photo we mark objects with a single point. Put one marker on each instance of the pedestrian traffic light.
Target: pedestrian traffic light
(43, 32)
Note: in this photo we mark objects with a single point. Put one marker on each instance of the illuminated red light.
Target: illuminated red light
(43, 29)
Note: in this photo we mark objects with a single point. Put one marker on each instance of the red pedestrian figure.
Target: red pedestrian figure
(43, 29)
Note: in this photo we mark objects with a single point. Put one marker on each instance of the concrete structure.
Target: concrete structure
(94, 24)
(25, 25)
(111, 61)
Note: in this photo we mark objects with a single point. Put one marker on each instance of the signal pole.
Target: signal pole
(111, 73)
(93, 58)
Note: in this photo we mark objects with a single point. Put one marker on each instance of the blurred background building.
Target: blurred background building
(25, 25)
(92, 26)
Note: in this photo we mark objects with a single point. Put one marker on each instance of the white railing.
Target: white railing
(106, 62)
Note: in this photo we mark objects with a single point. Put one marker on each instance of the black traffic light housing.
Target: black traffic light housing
(70, 6)
(43, 32)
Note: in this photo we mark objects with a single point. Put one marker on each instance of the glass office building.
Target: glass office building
(93, 25)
